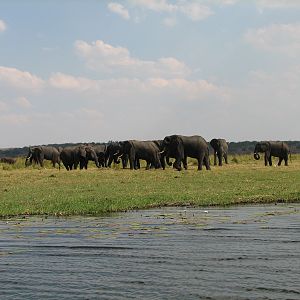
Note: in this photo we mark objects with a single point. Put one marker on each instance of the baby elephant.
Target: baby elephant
(8, 160)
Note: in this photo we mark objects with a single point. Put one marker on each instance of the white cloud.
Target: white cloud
(2, 26)
(119, 9)
(194, 10)
(23, 102)
(3, 106)
(68, 82)
(20, 79)
(14, 119)
(155, 5)
(117, 60)
(280, 38)
(275, 4)
(119, 88)
(170, 22)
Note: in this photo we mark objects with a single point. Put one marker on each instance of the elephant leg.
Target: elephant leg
(41, 162)
(226, 159)
(286, 161)
(280, 160)
(266, 160)
(185, 162)
(132, 163)
(220, 159)
(110, 159)
(163, 163)
(149, 165)
(215, 158)
(206, 162)
(124, 162)
(270, 160)
(200, 161)
(177, 164)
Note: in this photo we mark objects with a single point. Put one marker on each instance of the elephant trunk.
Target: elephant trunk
(256, 152)
(256, 156)
(28, 161)
(97, 162)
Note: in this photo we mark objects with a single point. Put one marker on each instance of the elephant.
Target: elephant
(113, 152)
(8, 160)
(145, 150)
(101, 153)
(72, 156)
(38, 154)
(278, 149)
(182, 147)
(220, 147)
(164, 157)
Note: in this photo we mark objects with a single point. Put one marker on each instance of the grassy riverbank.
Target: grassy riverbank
(95, 191)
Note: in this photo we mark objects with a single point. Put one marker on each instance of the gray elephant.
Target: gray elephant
(79, 155)
(278, 149)
(113, 153)
(181, 147)
(38, 154)
(101, 153)
(145, 150)
(220, 147)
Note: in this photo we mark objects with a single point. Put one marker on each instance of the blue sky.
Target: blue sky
(80, 71)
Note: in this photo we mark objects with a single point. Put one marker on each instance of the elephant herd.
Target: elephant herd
(156, 153)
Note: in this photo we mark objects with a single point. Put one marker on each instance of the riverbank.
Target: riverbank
(94, 191)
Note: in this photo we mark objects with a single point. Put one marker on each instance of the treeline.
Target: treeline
(246, 147)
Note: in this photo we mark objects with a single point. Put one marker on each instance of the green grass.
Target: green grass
(33, 190)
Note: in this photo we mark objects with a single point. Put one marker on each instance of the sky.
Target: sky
(94, 71)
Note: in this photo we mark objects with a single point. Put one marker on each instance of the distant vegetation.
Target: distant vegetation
(245, 147)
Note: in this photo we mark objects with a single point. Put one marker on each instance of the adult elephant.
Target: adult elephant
(38, 154)
(220, 147)
(277, 149)
(164, 156)
(181, 147)
(113, 153)
(101, 153)
(72, 156)
(144, 150)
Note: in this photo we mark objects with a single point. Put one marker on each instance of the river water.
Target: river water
(243, 252)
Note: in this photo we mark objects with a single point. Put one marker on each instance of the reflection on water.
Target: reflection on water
(247, 252)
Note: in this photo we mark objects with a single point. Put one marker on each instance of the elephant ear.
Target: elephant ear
(167, 140)
(37, 150)
(213, 142)
(82, 151)
(179, 145)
